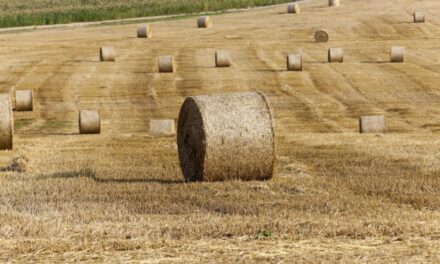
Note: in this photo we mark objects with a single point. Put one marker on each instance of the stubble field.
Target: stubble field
(336, 195)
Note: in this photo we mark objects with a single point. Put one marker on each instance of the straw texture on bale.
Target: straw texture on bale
(397, 54)
(226, 136)
(6, 122)
(144, 32)
(107, 54)
(166, 64)
(372, 124)
(89, 122)
(419, 17)
(222, 59)
(335, 55)
(204, 22)
(162, 127)
(333, 3)
(321, 35)
(294, 62)
(24, 100)
(293, 9)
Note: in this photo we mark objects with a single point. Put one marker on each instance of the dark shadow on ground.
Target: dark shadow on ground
(88, 173)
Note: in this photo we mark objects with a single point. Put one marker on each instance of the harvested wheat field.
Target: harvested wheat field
(336, 195)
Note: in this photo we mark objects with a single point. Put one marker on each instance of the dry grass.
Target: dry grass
(336, 196)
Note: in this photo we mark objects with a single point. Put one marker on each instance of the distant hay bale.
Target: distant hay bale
(226, 136)
(166, 64)
(419, 17)
(6, 122)
(333, 2)
(397, 54)
(293, 9)
(23, 100)
(222, 59)
(163, 127)
(372, 124)
(144, 32)
(294, 62)
(321, 35)
(107, 54)
(335, 55)
(89, 122)
(204, 22)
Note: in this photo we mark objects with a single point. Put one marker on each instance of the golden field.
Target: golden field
(336, 196)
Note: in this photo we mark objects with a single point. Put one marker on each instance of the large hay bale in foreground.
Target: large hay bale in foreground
(294, 62)
(204, 22)
(6, 122)
(222, 59)
(24, 100)
(335, 55)
(226, 136)
(107, 54)
(293, 9)
(419, 17)
(144, 32)
(397, 54)
(372, 124)
(166, 64)
(333, 3)
(162, 127)
(89, 122)
(321, 35)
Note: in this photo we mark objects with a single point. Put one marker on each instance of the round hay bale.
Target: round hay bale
(107, 54)
(222, 59)
(166, 64)
(294, 62)
(419, 17)
(321, 35)
(372, 124)
(333, 2)
(293, 9)
(204, 22)
(24, 100)
(144, 32)
(335, 55)
(6, 122)
(397, 54)
(162, 127)
(225, 137)
(89, 122)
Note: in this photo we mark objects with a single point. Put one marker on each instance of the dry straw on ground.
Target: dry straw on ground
(333, 3)
(294, 62)
(293, 8)
(89, 122)
(107, 54)
(397, 54)
(144, 32)
(166, 63)
(372, 124)
(419, 17)
(335, 55)
(162, 127)
(204, 22)
(24, 100)
(226, 136)
(6, 122)
(222, 59)
(321, 35)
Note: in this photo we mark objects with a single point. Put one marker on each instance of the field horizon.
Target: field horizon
(336, 196)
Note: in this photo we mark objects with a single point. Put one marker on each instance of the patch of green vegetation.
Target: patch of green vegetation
(49, 12)
(18, 124)
(55, 124)
(263, 234)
